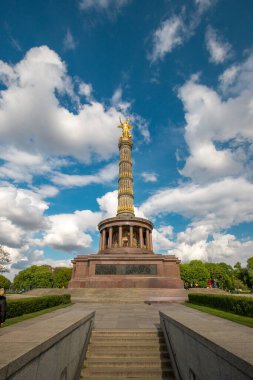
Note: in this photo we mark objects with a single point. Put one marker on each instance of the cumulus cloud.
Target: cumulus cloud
(218, 129)
(33, 120)
(218, 191)
(67, 232)
(48, 119)
(105, 175)
(217, 205)
(149, 176)
(219, 248)
(218, 49)
(21, 215)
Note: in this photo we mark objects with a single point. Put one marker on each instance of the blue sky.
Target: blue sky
(183, 71)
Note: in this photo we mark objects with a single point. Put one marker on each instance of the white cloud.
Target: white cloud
(227, 78)
(33, 121)
(216, 205)
(169, 35)
(105, 175)
(22, 207)
(108, 204)
(21, 215)
(149, 176)
(101, 5)
(69, 42)
(118, 102)
(177, 29)
(46, 191)
(218, 49)
(39, 134)
(220, 248)
(68, 231)
(85, 89)
(218, 130)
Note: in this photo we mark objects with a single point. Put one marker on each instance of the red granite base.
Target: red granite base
(168, 276)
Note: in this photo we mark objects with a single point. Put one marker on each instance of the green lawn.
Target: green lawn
(23, 317)
(247, 321)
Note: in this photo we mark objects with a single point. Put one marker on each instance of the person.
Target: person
(2, 307)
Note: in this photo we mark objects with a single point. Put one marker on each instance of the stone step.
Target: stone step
(128, 354)
(114, 373)
(131, 343)
(133, 351)
(123, 377)
(127, 332)
(127, 339)
(127, 362)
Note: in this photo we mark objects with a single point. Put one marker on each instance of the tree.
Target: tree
(4, 282)
(34, 277)
(4, 259)
(250, 263)
(62, 277)
(194, 273)
(223, 273)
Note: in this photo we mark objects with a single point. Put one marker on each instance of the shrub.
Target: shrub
(233, 304)
(22, 306)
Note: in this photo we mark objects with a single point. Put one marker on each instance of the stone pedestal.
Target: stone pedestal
(126, 259)
(164, 271)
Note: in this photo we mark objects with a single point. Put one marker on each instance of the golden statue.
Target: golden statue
(125, 128)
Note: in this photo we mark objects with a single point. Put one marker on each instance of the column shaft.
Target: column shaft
(120, 236)
(141, 237)
(131, 236)
(150, 241)
(147, 239)
(100, 241)
(104, 239)
(110, 237)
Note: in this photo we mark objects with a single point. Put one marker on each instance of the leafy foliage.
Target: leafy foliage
(4, 282)
(226, 277)
(194, 273)
(4, 259)
(43, 276)
(234, 304)
(62, 277)
(30, 305)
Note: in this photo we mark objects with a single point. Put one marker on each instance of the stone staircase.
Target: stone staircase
(127, 354)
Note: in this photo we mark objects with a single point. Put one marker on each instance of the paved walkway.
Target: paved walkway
(232, 336)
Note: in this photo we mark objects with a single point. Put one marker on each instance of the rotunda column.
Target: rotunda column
(104, 239)
(110, 238)
(150, 241)
(100, 241)
(147, 239)
(131, 236)
(141, 237)
(120, 236)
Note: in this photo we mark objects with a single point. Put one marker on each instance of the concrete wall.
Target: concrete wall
(50, 349)
(194, 357)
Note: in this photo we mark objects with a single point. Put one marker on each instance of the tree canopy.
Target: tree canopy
(4, 282)
(197, 273)
(43, 276)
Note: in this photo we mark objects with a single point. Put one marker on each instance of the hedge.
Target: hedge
(18, 307)
(234, 304)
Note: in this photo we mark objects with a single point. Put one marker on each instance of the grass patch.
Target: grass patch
(24, 317)
(247, 321)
